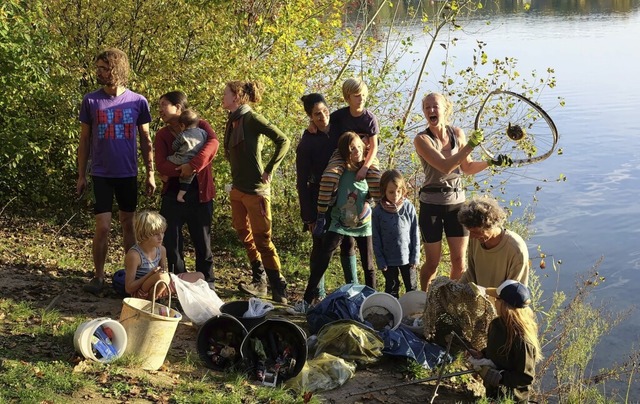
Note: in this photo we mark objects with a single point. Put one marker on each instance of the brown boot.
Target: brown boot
(258, 285)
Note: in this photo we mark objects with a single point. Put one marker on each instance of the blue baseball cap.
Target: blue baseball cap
(512, 292)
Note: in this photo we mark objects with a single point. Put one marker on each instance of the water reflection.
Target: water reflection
(402, 9)
(561, 7)
(594, 214)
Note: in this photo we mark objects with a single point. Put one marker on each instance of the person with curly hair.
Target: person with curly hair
(112, 119)
(495, 253)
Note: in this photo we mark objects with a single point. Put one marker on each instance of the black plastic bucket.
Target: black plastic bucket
(285, 346)
(219, 342)
(237, 310)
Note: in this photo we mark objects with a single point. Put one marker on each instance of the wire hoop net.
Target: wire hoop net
(515, 126)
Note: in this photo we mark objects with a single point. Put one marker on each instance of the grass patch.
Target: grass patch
(28, 382)
(38, 362)
(41, 306)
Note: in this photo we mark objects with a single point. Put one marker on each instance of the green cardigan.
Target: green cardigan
(246, 157)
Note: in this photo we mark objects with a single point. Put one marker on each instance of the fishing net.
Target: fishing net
(452, 306)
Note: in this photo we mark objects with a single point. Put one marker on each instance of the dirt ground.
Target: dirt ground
(48, 289)
(385, 374)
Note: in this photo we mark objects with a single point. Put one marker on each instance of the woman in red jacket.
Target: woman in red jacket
(197, 210)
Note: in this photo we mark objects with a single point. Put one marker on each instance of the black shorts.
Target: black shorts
(125, 190)
(433, 219)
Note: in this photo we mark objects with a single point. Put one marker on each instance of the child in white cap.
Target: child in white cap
(512, 347)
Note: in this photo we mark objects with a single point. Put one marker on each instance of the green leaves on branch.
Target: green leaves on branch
(47, 51)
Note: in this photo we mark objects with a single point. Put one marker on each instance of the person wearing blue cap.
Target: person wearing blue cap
(512, 347)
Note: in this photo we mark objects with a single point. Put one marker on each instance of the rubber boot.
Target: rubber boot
(258, 285)
(321, 291)
(350, 269)
(278, 286)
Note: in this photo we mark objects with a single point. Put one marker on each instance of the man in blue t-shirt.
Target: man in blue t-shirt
(111, 118)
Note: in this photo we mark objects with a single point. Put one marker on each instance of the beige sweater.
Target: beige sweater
(507, 260)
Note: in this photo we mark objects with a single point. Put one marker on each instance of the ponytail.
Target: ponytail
(247, 91)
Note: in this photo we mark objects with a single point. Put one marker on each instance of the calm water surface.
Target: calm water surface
(596, 212)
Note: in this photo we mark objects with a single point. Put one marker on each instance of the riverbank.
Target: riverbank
(43, 269)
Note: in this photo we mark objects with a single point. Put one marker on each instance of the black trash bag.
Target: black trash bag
(403, 342)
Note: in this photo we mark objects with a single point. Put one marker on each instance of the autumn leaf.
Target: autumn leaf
(103, 378)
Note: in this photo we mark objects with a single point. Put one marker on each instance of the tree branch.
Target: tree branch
(447, 18)
(357, 43)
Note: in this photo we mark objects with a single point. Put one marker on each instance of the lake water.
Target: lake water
(595, 213)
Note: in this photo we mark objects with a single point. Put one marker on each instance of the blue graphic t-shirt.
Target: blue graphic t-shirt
(351, 215)
(114, 122)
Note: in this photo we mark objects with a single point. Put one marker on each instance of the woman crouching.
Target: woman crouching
(512, 344)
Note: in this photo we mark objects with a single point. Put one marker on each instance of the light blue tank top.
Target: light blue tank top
(146, 265)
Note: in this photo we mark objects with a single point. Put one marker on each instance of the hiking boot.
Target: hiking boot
(257, 272)
(278, 297)
(301, 307)
(258, 289)
(278, 286)
(258, 285)
(95, 286)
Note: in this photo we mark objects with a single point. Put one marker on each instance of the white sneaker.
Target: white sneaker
(301, 307)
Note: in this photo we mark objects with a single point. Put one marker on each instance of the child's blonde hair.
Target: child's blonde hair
(344, 148)
(395, 177)
(148, 223)
(354, 86)
(519, 322)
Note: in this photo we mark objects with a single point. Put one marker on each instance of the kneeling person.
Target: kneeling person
(495, 254)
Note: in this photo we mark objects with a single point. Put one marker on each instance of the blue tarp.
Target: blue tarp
(344, 304)
(403, 342)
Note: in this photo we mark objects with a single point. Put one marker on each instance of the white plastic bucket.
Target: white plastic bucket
(82, 338)
(413, 305)
(381, 304)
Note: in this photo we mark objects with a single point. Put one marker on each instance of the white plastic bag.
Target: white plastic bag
(479, 363)
(198, 301)
(257, 308)
(323, 373)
